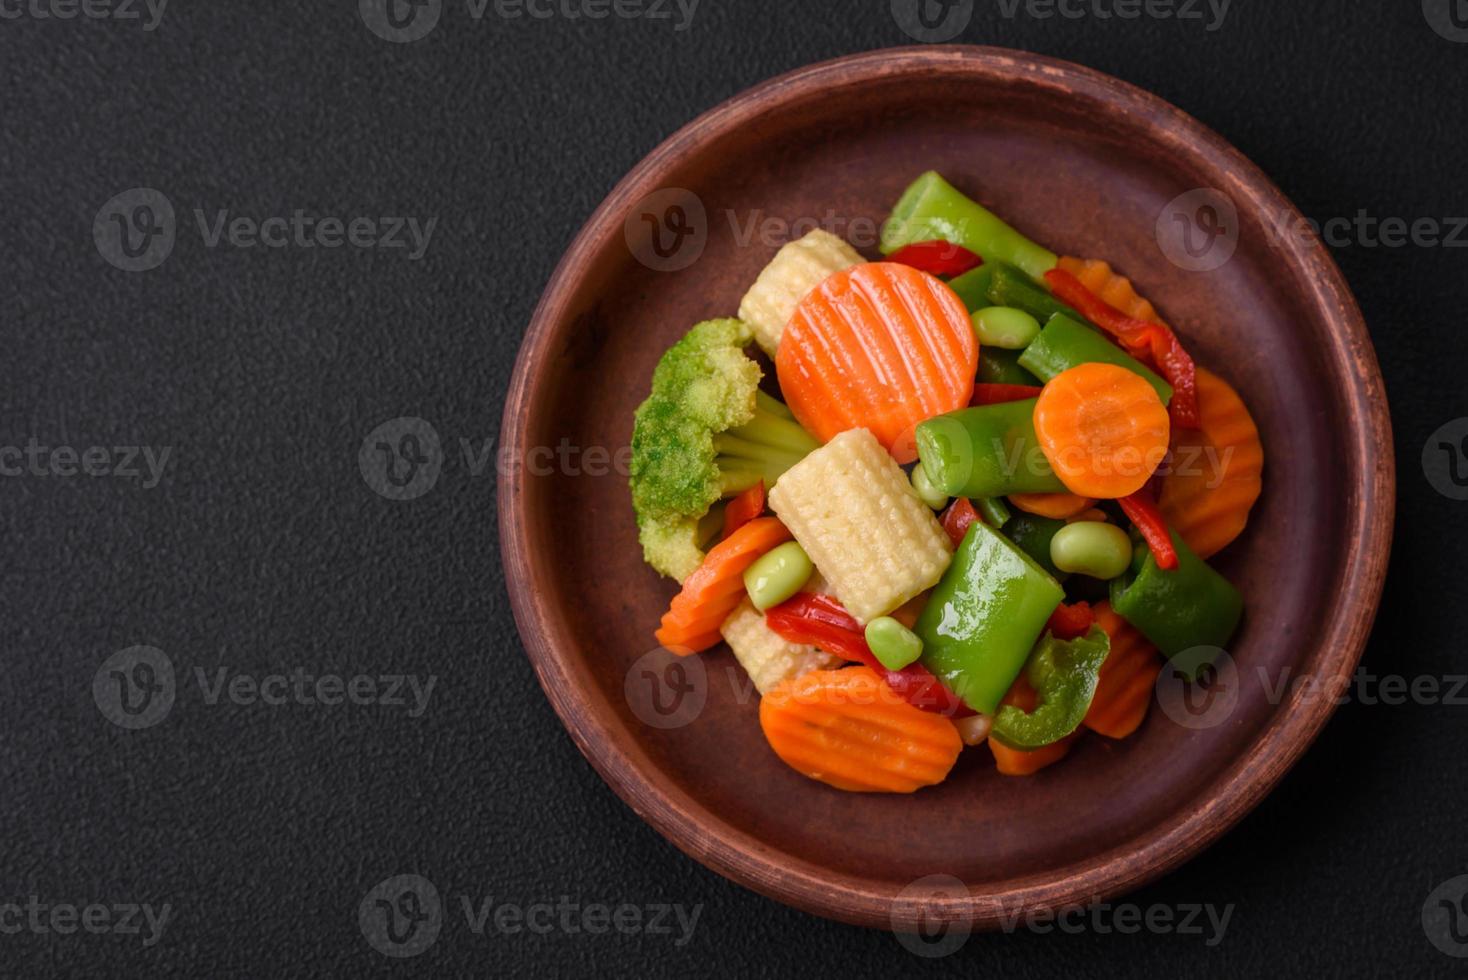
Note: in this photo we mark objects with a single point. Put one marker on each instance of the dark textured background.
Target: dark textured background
(264, 550)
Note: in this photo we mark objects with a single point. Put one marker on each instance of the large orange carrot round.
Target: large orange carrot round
(1014, 762)
(715, 589)
(1128, 678)
(1057, 506)
(1103, 429)
(879, 346)
(848, 729)
(1216, 470)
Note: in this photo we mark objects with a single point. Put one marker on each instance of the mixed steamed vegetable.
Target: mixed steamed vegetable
(978, 512)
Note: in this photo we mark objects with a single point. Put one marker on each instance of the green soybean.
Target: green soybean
(893, 644)
(777, 575)
(1005, 327)
(927, 493)
(1091, 548)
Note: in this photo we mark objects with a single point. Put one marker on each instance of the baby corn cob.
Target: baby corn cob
(796, 269)
(854, 512)
(766, 657)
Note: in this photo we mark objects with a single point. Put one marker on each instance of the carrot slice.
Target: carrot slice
(1014, 762)
(716, 588)
(744, 508)
(1103, 429)
(1116, 290)
(1217, 470)
(1059, 506)
(878, 346)
(1128, 678)
(847, 729)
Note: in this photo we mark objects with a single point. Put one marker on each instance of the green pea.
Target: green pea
(893, 644)
(926, 492)
(1091, 548)
(777, 575)
(1005, 327)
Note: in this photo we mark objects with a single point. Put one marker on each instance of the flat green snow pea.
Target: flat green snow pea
(777, 575)
(1182, 610)
(984, 616)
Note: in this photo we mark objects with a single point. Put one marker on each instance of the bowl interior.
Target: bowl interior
(1073, 169)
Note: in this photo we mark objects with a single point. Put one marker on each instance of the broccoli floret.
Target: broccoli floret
(705, 432)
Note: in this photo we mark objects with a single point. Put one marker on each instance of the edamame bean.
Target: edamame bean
(777, 575)
(927, 493)
(1091, 548)
(893, 644)
(1005, 327)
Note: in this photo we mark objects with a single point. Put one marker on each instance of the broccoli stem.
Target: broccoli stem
(761, 449)
(773, 406)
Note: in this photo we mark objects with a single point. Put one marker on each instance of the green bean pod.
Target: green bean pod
(1065, 343)
(933, 209)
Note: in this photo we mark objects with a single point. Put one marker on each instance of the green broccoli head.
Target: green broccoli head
(705, 432)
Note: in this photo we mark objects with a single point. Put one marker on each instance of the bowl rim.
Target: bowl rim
(1290, 729)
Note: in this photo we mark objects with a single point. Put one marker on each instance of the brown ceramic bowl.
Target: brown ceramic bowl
(1086, 164)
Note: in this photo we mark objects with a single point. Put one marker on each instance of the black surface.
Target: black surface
(263, 549)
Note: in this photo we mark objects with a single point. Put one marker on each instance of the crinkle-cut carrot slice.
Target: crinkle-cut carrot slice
(1217, 470)
(848, 729)
(878, 346)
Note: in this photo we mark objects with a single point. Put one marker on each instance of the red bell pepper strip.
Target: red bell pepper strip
(996, 394)
(1069, 622)
(937, 257)
(744, 508)
(1142, 339)
(958, 518)
(820, 620)
(1142, 511)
